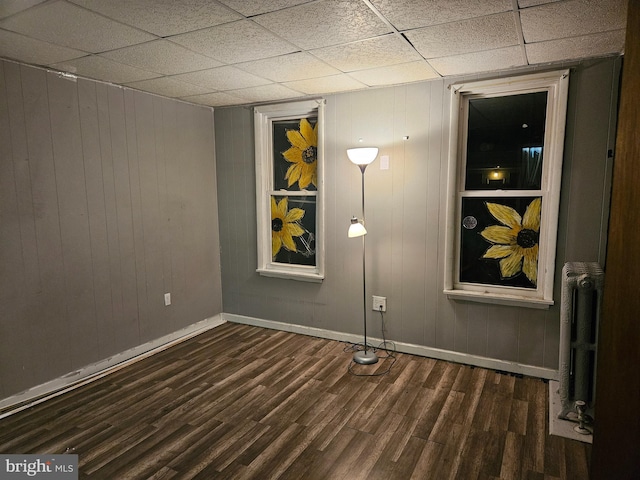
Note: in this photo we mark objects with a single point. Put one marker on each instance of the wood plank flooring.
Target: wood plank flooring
(241, 402)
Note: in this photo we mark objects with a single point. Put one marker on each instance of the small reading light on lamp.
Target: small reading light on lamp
(362, 157)
(356, 229)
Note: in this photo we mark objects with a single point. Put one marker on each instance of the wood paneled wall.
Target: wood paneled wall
(405, 210)
(107, 201)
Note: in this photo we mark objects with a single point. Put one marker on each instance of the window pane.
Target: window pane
(293, 229)
(505, 142)
(499, 241)
(295, 153)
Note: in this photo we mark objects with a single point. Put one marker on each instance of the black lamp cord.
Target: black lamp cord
(384, 346)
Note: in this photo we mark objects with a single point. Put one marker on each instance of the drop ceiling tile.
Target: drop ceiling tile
(30, 50)
(286, 68)
(265, 93)
(161, 56)
(396, 74)
(222, 78)
(370, 53)
(71, 26)
(324, 23)
(168, 87)
(572, 18)
(533, 3)
(235, 42)
(331, 84)
(163, 17)
(248, 8)
(408, 14)
(597, 44)
(101, 68)
(486, 61)
(216, 99)
(9, 7)
(481, 33)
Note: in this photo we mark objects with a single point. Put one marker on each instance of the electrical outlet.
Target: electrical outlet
(379, 303)
(167, 299)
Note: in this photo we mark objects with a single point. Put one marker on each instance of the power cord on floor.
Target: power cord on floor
(384, 346)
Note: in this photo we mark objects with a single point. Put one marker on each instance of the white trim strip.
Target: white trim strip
(89, 373)
(420, 350)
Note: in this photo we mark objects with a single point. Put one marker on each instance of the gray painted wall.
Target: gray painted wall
(107, 201)
(405, 212)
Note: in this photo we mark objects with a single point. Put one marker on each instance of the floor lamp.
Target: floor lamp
(362, 157)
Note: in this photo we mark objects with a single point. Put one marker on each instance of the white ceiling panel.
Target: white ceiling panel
(265, 93)
(162, 56)
(29, 50)
(466, 36)
(233, 52)
(371, 53)
(65, 24)
(217, 99)
(222, 78)
(169, 87)
(235, 42)
(10, 7)
(332, 84)
(396, 74)
(286, 68)
(101, 68)
(324, 23)
(249, 8)
(575, 47)
(572, 18)
(533, 3)
(408, 14)
(491, 60)
(163, 17)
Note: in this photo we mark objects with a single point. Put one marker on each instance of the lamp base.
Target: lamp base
(365, 357)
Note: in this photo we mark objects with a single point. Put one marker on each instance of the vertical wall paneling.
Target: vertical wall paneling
(70, 177)
(405, 211)
(120, 193)
(107, 200)
(96, 210)
(12, 295)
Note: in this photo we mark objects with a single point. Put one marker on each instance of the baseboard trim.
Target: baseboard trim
(420, 350)
(89, 373)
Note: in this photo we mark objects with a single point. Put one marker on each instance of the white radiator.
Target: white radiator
(582, 284)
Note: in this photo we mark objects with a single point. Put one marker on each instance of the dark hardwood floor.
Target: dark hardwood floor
(241, 402)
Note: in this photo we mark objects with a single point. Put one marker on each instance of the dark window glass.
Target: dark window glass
(505, 142)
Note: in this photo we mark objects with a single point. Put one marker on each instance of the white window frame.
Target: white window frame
(557, 85)
(264, 116)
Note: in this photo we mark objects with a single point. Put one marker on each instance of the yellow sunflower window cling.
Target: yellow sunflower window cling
(500, 241)
(515, 242)
(291, 241)
(296, 154)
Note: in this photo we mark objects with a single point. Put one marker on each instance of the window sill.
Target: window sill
(499, 299)
(312, 277)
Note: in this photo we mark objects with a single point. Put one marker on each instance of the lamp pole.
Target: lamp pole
(364, 357)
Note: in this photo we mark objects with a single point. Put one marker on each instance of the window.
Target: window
(289, 178)
(505, 166)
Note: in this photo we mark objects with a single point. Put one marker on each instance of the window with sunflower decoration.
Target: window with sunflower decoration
(506, 162)
(289, 158)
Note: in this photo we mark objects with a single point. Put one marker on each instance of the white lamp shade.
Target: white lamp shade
(362, 155)
(356, 230)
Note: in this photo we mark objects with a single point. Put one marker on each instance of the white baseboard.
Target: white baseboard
(450, 356)
(60, 385)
